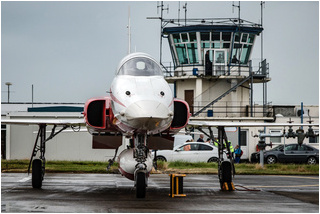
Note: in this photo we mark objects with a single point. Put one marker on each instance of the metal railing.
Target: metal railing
(230, 109)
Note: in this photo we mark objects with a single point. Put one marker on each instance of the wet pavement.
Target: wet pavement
(114, 193)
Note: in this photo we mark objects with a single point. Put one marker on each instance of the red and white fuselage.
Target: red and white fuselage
(140, 104)
(142, 100)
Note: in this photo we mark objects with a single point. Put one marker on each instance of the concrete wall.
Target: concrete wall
(68, 145)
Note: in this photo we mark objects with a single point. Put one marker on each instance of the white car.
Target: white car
(190, 152)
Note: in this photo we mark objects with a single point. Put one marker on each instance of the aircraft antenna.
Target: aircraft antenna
(129, 32)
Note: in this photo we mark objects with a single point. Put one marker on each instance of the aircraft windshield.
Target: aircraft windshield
(140, 66)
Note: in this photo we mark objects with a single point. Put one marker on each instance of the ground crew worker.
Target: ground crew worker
(201, 138)
(216, 142)
(230, 148)
(238, 154)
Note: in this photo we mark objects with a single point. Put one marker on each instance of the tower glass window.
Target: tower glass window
(244, 37)
(184, 37)
(176, 38)
(251, 38)
(189, 48)
(226, 36)
(205, 36)
(193, 53)
(193, 37)
(215, 36)
(182, 54)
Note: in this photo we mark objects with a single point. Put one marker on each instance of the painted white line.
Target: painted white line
(24, 179)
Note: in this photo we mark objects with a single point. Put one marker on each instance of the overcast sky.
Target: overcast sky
(69, 50)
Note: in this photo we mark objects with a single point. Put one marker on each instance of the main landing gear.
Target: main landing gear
(226, 168)
(140, 173)
(39, 164)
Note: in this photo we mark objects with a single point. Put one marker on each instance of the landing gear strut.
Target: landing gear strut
(39, 164)
(140, 173)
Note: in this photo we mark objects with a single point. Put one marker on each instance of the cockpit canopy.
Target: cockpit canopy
(140, 66)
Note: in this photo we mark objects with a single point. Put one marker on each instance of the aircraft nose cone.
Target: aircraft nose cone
(148, 115)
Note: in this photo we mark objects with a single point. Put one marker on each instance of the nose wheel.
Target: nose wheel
(141, 184)
(140, 174)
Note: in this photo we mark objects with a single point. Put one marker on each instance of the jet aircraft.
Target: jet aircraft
(140, 107)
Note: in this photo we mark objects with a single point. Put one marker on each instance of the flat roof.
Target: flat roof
(209, 28)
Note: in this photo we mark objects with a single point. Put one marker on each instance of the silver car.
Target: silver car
(190, 152)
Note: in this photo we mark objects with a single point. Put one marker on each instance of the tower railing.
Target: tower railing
(234, 109)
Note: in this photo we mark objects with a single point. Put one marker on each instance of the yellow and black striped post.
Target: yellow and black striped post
(176, 185)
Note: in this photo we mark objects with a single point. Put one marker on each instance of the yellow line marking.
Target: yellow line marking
(315, 185)
(290, 176)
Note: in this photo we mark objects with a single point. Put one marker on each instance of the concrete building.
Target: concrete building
(214, 73)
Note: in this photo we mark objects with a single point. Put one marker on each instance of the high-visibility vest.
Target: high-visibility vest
(230, 146)
(216, 143)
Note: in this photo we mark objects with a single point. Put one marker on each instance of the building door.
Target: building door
(188, 97)
(244, 144)
(219, 62)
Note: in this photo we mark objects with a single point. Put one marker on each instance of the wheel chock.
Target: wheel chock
(228, 186)
(176, 185)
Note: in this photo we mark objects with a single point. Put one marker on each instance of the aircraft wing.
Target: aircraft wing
(68, 122)
(244, 124)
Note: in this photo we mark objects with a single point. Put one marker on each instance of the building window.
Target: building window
(251, 38)
(184, 37)
(244, 37)
(182, 54)
(245, 54)
(193, 53)
(193, 37)
(205, 36)
(237, 37)
(176, 38)
(226, 36)
(215, 36)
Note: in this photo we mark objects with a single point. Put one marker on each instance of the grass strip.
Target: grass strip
(164, 167)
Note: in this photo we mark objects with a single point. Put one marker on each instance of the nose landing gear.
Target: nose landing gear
(140, 174)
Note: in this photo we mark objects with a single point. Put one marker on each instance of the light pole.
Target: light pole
(8, 84)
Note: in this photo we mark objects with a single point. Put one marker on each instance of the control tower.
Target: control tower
(212, 68)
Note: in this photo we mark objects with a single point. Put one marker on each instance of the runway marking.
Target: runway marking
(314, 185)
(289, 176)
(24, 179)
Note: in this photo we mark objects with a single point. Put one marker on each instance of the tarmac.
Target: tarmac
(112, 193)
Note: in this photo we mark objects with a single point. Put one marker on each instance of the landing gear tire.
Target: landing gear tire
(37, 175)
(226, 176)
(141, 185)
